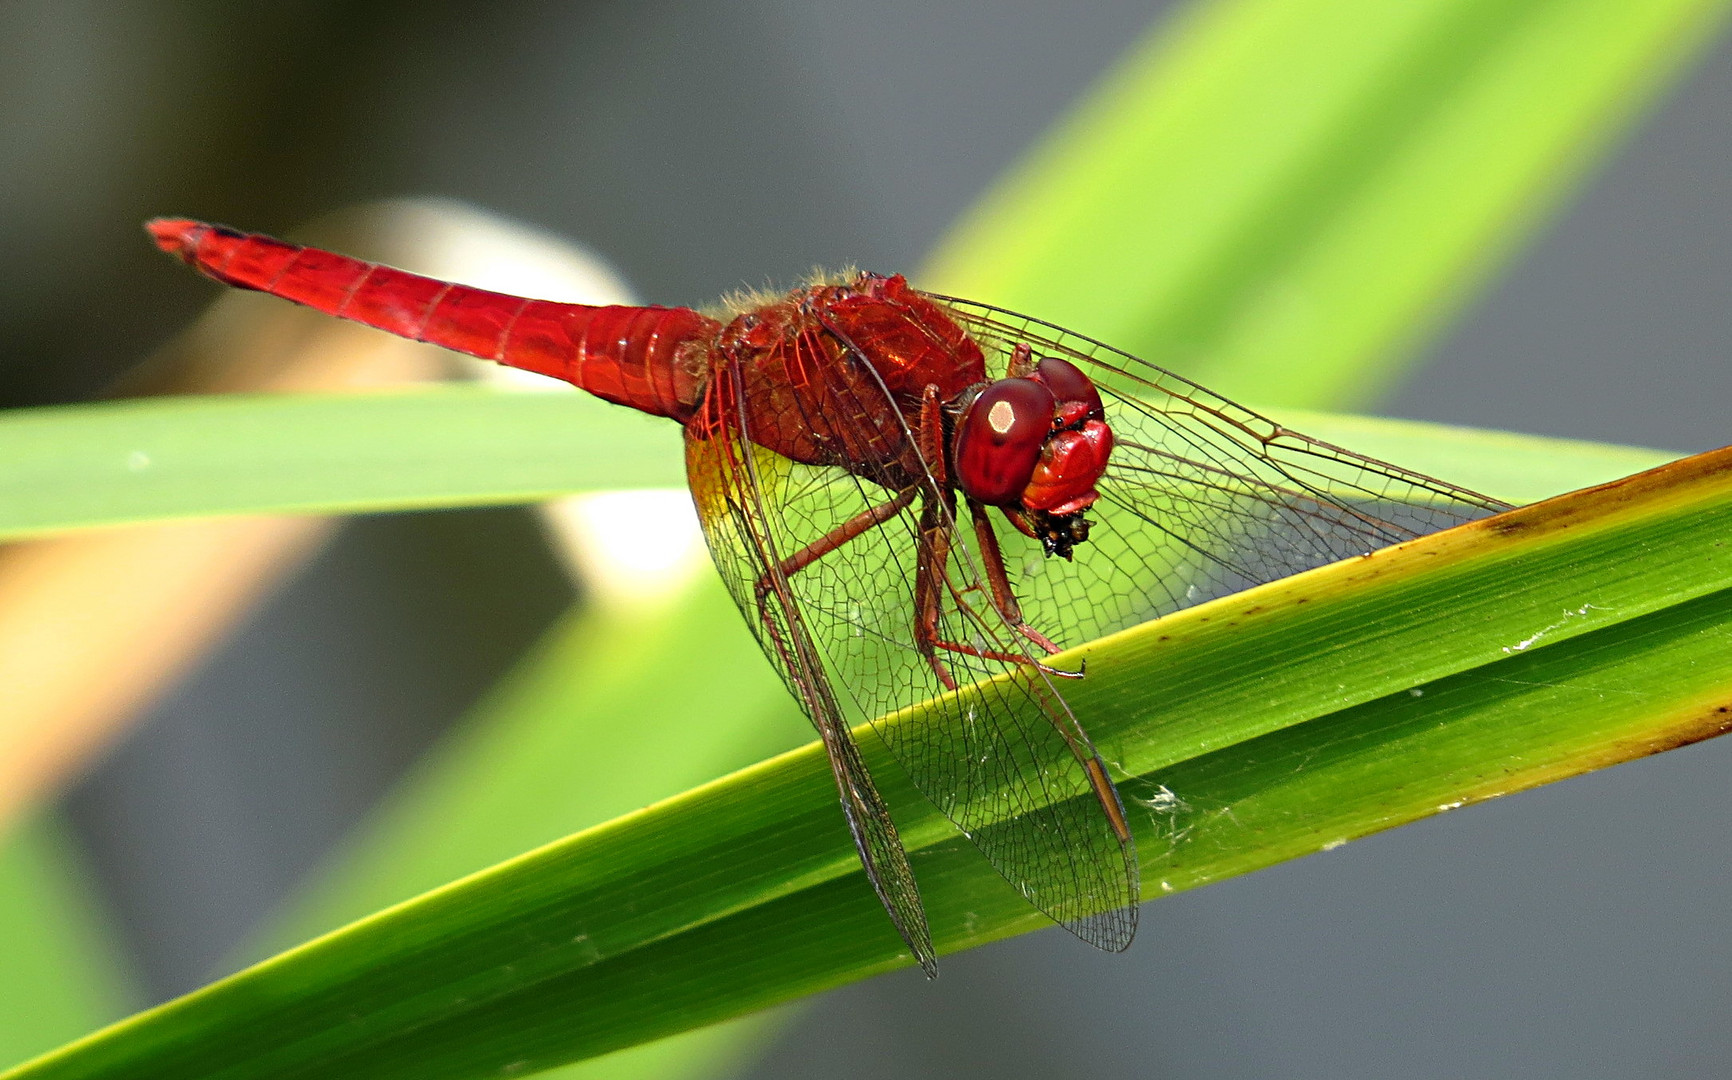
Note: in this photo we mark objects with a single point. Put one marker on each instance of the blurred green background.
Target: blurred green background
(699, 148)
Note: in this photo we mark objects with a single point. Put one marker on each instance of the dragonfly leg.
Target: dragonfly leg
(864, 521)
(929, 586)
(772, 580)
(934, 551)
(929, 439)
(999, 580)
(776, 580)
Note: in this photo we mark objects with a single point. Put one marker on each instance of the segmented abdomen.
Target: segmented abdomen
(650, 358)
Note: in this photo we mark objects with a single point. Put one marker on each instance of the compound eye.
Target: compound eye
(1069, 385)
(999, 438)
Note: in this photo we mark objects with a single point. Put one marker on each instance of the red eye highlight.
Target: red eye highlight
(1076, 395)
(999, 439)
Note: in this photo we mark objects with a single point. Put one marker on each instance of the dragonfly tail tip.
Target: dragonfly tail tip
(173, 235)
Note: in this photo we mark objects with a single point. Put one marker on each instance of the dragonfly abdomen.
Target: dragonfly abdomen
(650, 358)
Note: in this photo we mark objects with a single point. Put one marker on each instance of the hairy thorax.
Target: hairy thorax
(815, 374)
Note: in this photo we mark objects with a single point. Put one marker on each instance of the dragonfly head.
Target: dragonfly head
(1035, 444)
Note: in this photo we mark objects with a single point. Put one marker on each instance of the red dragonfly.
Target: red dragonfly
(913, 497)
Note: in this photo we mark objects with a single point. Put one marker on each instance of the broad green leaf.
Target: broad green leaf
(61, 974)
(79, 466)
(1510, 652)
(1282, 198)
(74, 466)
(1513, 467)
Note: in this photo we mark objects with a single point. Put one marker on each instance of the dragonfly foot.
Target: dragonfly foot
(1060, 673)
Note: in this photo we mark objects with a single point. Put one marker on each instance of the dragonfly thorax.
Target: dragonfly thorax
(834, 374)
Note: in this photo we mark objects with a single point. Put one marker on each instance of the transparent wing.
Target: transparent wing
(1202, 497)
(729, 478)
(1001, 756)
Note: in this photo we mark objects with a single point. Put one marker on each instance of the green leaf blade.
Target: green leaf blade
(79, 466)
(64, 468)
(746, 892)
